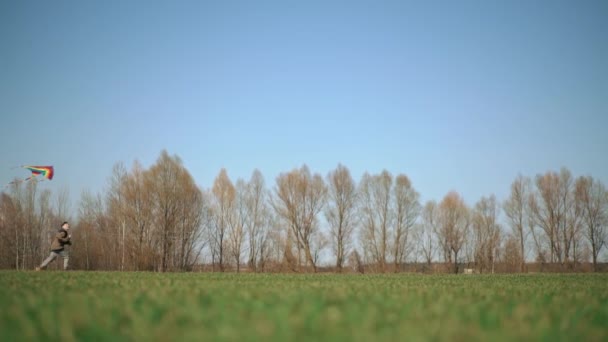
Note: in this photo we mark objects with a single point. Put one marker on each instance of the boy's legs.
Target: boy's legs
(49, 259)
(66, 258)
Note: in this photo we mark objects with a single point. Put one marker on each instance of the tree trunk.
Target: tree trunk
(594, 252)
(523, 257)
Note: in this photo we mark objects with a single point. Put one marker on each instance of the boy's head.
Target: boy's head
(65, 225)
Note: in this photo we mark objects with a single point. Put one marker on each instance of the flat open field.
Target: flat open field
(212, 307)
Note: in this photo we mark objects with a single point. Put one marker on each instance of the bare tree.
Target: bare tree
(237, 226)
(552, 209)
(453, 226)
(25, 228)
(156, 217)
(7, 215)
(570, 232)
(427, 232)
(137, 211)
(63, 204)
(517, 212)
(116, 209)
(406, 208)
(208, 225)
(340, 212)
(277, 251)
(389, 210)
(546, 212)
(592, 198)
(319, 243)
(190, 222)
(90, 223)
(225, 197)
(300, 196)
(44, 219)
(574, 229)
(487, 233)
(376, 218)
(257, 222)
(177, 206)
(26, 214)
(511, 255)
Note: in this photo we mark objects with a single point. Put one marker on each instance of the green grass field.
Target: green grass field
(213, 307)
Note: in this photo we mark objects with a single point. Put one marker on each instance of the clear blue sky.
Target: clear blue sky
(457, 95)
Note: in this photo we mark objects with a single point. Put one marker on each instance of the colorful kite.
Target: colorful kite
(46, 172)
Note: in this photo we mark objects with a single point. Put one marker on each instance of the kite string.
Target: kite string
(33, 177)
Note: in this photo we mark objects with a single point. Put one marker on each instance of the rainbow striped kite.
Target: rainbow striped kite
(46, 171)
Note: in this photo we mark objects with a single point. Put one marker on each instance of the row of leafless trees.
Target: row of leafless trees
(566, 217)
(151, 219)
(158, 219)
(26, 216)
